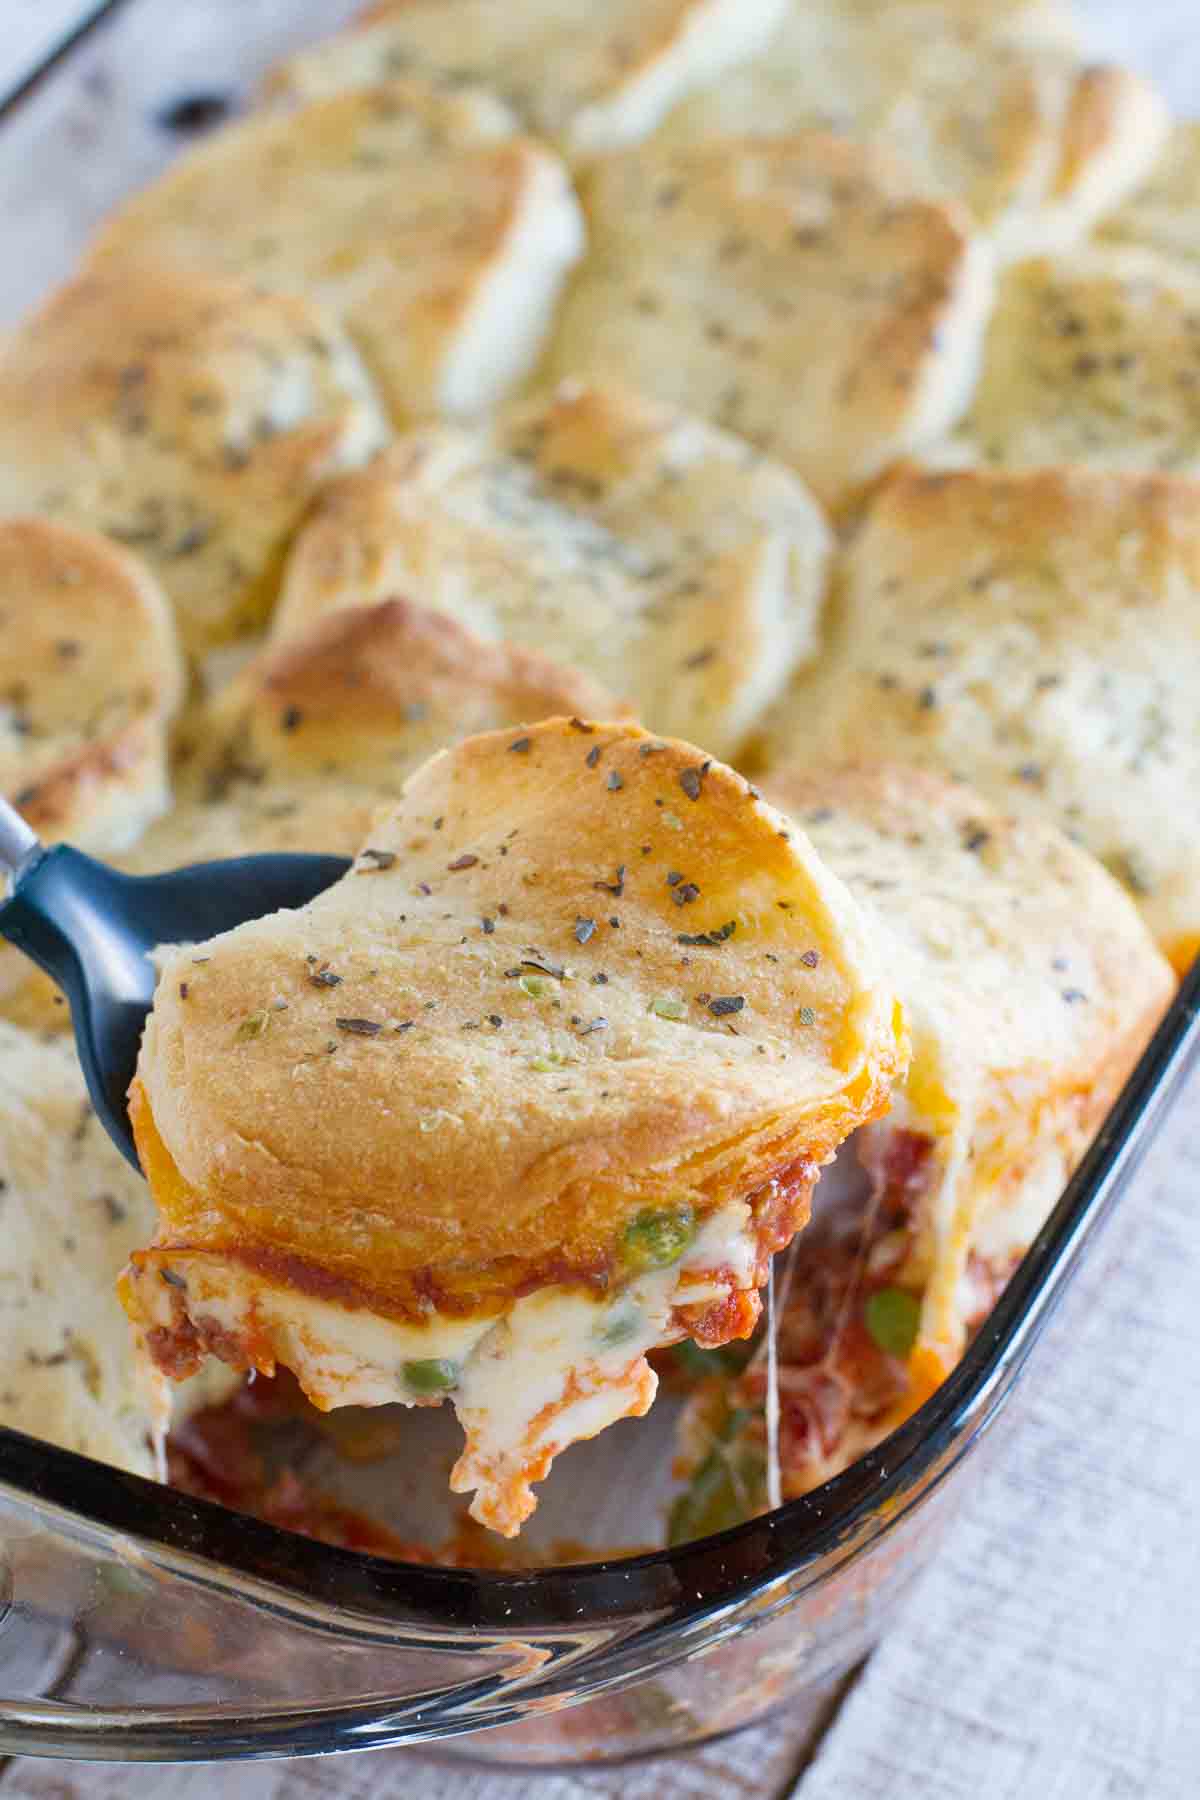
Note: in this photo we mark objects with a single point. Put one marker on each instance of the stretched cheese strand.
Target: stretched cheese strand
(774, 1477)
(776, 1310)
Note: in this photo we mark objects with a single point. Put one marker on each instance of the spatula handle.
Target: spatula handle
(17, 841)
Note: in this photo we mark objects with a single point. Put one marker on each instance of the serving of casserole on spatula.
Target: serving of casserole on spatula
(539, 1085)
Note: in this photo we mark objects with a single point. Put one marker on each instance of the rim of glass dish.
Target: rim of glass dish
(686, 1581)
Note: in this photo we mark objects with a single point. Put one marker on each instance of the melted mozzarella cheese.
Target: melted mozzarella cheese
(554, 1367)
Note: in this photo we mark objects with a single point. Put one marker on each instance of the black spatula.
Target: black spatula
(92, 930)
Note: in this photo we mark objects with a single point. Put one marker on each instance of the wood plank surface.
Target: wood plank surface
(34, 32)
(98, 127)
(1053, 1650)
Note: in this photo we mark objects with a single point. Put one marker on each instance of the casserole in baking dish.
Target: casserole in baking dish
(707, 562)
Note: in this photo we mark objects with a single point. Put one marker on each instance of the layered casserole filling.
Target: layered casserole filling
(527, 1375)
(875, 1306)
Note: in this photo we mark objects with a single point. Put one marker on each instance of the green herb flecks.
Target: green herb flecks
(436, 1375)
(710, 938)
(668, 1006)
(892, 1316)
(252, 1026)
(658, 1236)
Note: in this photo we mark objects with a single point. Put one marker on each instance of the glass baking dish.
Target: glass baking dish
(137, 1623)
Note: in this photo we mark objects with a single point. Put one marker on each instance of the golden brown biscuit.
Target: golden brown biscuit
(1115, 129)
(990, 106)
(1031, 986)
(368, 693)
(538, 1085)
(73, 1210)
(1043, 19)
(679, 567)
(1090, 359)
(315, 737)
(188, 417)
(592, 76)
(1036, 634)
(90, 676)
(1162, 214)
(386, 113)
(440, 249)
(320, 733)
(798, 291)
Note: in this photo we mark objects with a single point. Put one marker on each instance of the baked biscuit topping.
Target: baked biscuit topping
(90, 677)
(991, 106)
(317, 735)
(188, 417)
(365, 695)
(675, 564)
(73, 1210)
(590, 76)
(803, 291)
(439, 242)
(1037, 634)
(1091, 360)
(1161, 213)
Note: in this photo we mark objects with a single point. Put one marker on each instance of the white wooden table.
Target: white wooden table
(1053, 1651)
